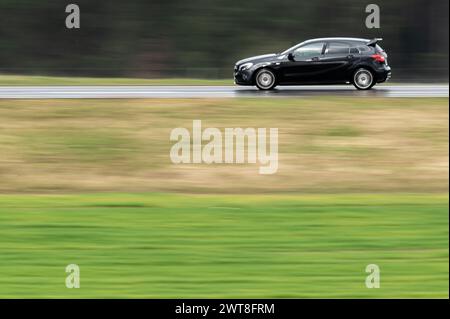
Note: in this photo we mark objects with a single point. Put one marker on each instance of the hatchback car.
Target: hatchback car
(356, 61)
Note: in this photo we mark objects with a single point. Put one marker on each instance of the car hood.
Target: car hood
(257, 59)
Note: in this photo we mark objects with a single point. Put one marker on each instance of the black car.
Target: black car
(361, 62)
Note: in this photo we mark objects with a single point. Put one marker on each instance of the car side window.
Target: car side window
(364, 49)
(308, 51)
(337, 48)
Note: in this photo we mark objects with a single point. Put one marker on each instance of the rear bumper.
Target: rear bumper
(383, 74)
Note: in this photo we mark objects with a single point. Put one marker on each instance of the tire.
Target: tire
(265, 79)
(363, 79)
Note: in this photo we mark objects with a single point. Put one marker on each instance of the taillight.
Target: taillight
(379, 58)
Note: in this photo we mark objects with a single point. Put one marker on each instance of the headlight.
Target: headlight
(245, 66)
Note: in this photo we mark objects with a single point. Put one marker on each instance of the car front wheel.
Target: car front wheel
(265, 79)
(363, 79)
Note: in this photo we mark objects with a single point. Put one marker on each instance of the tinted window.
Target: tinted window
(308, 51)
(379, 49)
(339, 48)
(365, 49)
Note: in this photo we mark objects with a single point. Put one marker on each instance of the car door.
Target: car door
(305, 66)
(337, 62)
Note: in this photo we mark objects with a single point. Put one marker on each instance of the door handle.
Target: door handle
(315, 59)
(350, 56)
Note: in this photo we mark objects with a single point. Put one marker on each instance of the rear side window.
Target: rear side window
(365, 49)
(379, 49)
(337, 48)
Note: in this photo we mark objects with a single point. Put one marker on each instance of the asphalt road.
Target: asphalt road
(117, 92)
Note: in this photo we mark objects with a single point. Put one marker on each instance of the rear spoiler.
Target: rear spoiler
(373, 43)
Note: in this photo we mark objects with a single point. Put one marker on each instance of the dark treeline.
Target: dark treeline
(203, 38)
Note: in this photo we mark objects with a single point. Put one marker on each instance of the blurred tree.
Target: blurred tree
(203, 38)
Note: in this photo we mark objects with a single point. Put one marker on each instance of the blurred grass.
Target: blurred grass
(131, 241)
(338, 145)
(200, 246)
(30, 80)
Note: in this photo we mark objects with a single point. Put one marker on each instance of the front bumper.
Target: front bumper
(242, 77)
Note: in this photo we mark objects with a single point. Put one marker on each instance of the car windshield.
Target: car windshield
(292, 48)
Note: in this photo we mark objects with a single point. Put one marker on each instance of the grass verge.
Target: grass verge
(176, 246)
(332, 145)
(30, 80)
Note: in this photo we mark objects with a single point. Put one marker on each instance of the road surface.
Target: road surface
(125, 92)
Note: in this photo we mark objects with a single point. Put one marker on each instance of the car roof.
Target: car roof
(337, 39)
(326, 39)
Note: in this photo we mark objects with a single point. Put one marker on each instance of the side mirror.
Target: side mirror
(291, 57)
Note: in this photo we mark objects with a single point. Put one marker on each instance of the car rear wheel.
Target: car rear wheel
(363, 79)
(265, 80)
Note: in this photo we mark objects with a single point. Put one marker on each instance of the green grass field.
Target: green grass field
(179, 246)
(90, 182)
(29, 80)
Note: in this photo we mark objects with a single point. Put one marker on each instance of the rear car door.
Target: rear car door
(337, 62)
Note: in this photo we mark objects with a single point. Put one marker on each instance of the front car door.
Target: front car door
(305, 66)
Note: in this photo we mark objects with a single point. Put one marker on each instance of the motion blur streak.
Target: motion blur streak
(325, 145)
(203, 38)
